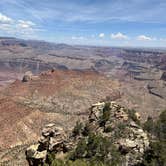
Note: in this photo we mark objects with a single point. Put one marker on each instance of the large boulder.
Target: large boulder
(27, 76)
(53, 138)
(35, 156)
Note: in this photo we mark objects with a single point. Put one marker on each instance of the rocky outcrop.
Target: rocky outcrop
(122, 125)
(27, 76)
(134, 145)
(53, 138)
(35, 156)
(108, 119)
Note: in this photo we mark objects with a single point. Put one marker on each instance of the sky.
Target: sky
(88, 22)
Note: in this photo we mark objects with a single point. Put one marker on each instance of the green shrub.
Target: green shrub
(157, 128)
(108, 129)
(105, 115)
(58, 162)
(80, 151)
(120, 130)
(88, 129)
(50, 157)
(160, 130)
(149, 125)
(79, 162)
(96, 149)
(77, 129)
(156, 155)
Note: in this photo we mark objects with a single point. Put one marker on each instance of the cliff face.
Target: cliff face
(107, 121)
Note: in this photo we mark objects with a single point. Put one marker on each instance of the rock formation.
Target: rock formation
(110, 120)
(53, 138)
(128, 136)
(27, 76)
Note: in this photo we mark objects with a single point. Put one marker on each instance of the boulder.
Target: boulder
(34, 156)
(138, 116)
(121, 114)
(27, 76)
(52, 138)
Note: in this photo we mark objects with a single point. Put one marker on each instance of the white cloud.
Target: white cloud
(101, 35)
(119, 36)
(24, 28)
(25, 24)
(145, 38)
(5, 19)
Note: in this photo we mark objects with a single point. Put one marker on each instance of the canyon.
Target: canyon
(66, 80)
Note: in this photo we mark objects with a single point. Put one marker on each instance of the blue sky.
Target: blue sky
(88, 22)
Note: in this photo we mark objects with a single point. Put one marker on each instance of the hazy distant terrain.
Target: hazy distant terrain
(142, 72)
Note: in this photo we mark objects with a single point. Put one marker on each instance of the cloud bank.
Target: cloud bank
(10, 26)
(101, 35)
(145, 38)
(119, 36)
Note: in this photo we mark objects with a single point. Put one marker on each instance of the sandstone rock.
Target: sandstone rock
(113, 104)
(134, 145)
(99, 104)
(138, 116)
(133, 124)
(95, 112)
(56, 144)
(53, 138)
(27, 76)
(127, 143)
(31, 150)
(121, 114)
(34, 156)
